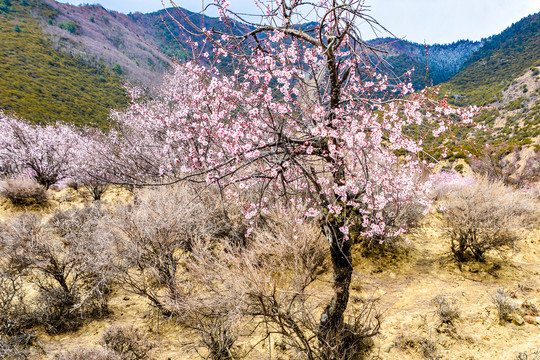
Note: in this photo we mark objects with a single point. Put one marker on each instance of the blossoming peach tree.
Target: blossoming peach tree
(300, 117)
(46, 153)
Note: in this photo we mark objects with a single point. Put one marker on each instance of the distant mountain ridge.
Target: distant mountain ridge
(140, 43)
(440, 62)
(140, 48)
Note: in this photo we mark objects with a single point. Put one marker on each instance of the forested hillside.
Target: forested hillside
(45, 85)
(69, 63)
(503, 58)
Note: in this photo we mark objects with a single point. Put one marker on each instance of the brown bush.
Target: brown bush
(14, 312)
(483, 217)
(76, 222)
(504, 305)
(15, 347)
(153, 236)
(356, 338)
(88, 354)
(15, 319)
(189, 256)
(218, 336)
(128, 342)
(23, 191)
(446, 309)
(70, 271)
(228, 288)
(96, 188)
(426, 346)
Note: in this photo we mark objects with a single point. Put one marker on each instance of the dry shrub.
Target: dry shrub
(188, 254)
(356, 337)
(427, 347)
(528, 355)
(13, 347)
(483, 217)
(88, 354)
(76, 222)
(446, 309)
(70, 267)
(127, 342)
(504, 306)
(218, 336)
(15, 319)
(23, 191)
(14, 312)
(530, 308)
(228, 290)
(264, 281)
(404, 341)
(153, 235)
(96, 188)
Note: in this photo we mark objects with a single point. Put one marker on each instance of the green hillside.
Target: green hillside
(495, 65)
(45, 85)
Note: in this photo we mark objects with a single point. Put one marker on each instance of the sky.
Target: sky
(429, 21)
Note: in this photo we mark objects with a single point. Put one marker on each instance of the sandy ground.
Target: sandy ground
(405, 280)
(408, 283)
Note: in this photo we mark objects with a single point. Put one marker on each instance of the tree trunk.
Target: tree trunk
(332, 319)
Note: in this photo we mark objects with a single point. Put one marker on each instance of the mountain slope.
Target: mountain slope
(45, 85)
(111, 37)
(74, 72)
(503, 58)
(504, 75)
(433, 64)
(171, 31)
(515, 119)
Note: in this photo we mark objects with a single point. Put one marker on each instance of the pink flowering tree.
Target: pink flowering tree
(87, 169)
(139, 148)
(303, 119)
(45, 153)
